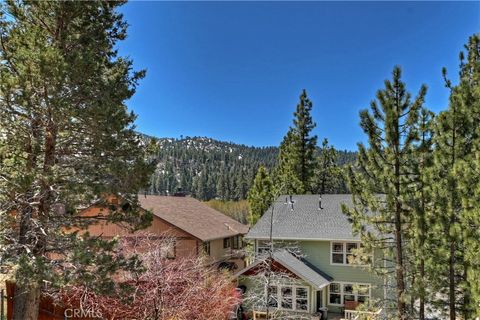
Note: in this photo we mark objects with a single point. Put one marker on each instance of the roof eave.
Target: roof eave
(299, 238)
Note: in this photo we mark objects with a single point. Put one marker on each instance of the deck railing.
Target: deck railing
(362, 315)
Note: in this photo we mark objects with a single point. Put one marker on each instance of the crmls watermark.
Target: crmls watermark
(80, 313)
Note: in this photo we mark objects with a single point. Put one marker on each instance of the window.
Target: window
(337, 252)
(343, 252)
(351, 247)
(335, 294)
(288, 297)
(206, 247)
(237, 242)
(273, 297)
(287, 294)
(169, 251)
(363, 293)
(226, 243)
(340, 292)
(301, 300)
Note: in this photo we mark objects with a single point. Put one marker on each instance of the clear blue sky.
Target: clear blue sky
(234, 70)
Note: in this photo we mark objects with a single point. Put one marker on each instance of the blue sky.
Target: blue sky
(234, 70)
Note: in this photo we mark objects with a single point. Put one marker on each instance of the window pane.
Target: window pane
(351, 247)
(273, 297)
(226, 243)
(348, 288)
(348, 297)
(337, 247)
(337, 258)
(363, 289)
(362, 299)
(335, 298)
(287, 297)
(335, 287)
(302, 304)
(302, 293)
(350, 259)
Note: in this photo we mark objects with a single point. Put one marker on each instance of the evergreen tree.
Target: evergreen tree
(66, 139)
(296, 163)
(327, 173)
(260, 196)
(454, 180)
(286, 176)
(469, 172)
(419, 250)
(383, 168)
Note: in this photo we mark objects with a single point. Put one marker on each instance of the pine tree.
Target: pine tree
(286, 176)
(383, 169)
(419, 250)
(454, 182)
(327, 173)
(260, 196)
(66, 139)
(296, 163)
(469, 173)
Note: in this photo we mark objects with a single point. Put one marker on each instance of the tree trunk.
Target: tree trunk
(399, 268)
(421, 311)
(451, 276)
(26, 302)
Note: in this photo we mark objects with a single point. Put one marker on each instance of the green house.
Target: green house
(311, 266)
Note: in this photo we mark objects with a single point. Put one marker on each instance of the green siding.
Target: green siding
(318, 253)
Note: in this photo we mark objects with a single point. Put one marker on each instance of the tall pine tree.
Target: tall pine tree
(419, 249)
(296, 165)
(383, 169)
(455, 181)
(66, 139)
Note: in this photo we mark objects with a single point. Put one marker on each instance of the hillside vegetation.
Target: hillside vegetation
(210, 169)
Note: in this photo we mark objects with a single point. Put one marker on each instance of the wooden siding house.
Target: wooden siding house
(194, 227)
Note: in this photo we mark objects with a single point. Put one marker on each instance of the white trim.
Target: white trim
(294, 297)
(302, 239)
(342, 294)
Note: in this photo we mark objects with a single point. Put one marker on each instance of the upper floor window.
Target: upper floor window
(343, 252)
(226, 243)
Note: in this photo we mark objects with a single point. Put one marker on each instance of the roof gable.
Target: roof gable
(286, 262)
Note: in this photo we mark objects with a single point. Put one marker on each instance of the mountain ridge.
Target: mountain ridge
(207, 168)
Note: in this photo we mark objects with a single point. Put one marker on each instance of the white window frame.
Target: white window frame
(344, 253)
(355, 292)
(294, 296)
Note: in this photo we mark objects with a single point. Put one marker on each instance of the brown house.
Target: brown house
(195, 227)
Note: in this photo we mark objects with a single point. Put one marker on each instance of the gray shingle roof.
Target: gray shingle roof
(314, 277)
(306, 221)
(298, 266)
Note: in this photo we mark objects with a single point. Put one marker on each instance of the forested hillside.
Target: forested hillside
(207, 169)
